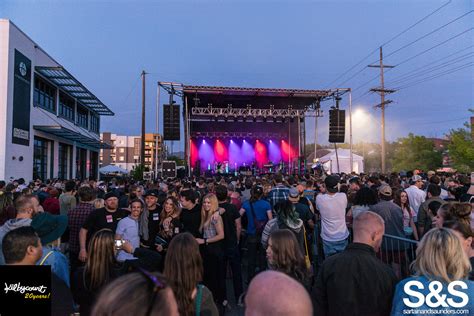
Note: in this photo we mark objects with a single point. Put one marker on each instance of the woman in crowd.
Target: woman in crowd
(51, 203)
(287, 218)
(212, 230)
(401, 199)
(439, 257)
(453, 211)
(170, 224)
(363, 199)
(184, 269)
(465, 235)
(127, 229)
(101, 267)
(99, 203)
(138, 293)
(284, 255)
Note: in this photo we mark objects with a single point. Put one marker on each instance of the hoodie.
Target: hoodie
(9, 226)
(295, 226)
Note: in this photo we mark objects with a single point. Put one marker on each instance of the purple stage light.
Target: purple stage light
(203, 141)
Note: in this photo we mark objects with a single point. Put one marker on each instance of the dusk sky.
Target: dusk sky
(277, 44)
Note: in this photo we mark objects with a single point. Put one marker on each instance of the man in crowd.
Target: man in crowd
(24, 213)
(301, 208)
(246, 192)
(416, 195)
(355, 282)
(150, 219)
(191, 212)
(67, 200)
(232, 229)
(332, 207)
(105, 217)
(279, 192)
(76, 219)
(275, 293)
(433, 192)
(22, 246)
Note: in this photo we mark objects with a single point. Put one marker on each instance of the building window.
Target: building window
(66, 107)
(82, 116)
(122, 158)
(44, 95)
(136, 147)
(121, 150)
(94, 123)
(81, 163)
(63, 161)
(40, 159)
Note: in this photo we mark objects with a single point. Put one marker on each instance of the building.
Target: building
(49, 121)
(124, 151)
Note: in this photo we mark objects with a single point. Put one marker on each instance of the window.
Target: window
(63, 161)
(66, 107)
(94, 123)
(81, 163)
(122, 158)
(40, 159)
(82, 116)
(121, 150)
(44, 95)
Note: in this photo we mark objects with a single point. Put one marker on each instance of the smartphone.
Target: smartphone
(119, 244)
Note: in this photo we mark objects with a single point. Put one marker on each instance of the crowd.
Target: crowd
(289, 244)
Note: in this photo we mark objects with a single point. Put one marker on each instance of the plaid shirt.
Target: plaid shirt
(278, 194)
(77, 217)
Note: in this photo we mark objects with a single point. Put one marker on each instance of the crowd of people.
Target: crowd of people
(288, 244)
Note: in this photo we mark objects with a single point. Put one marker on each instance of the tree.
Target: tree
(461, 149)
(137, 172)
(179, 161)
(415, 152)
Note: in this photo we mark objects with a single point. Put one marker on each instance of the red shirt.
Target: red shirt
(51, 205)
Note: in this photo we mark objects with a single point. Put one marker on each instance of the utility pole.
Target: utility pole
(142, 149)
(382, 104)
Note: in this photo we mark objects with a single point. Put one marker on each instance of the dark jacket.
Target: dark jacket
(393, 217)
(354, 282)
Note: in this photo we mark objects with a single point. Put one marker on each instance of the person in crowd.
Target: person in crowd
(102, 267)
(302, 207)
(170, 224)
(67, 200)
(42, 193)
(232, 230)
(354, 186)
(191, 212)
(309, 191)
(287, 218)
(453, 211)
(363, 199)
(392, 215)
(465, 235)
(7, 208)
(275, 293)
(258, 212)
(284, 255)
(415, 194)
(279, 192)
(50, 228)
(76, 219)
(106, 217)
(233, 196)
(332, 207)
(150, 219)
(51, 203)
(127, 229)
(138, 293)
(184, 271)
(246, 192)
(439, 257)
(25, 211)
(212, 248)
(433, 192)
(355, 282)
(437, 181)
(401, 199)
(130, 195)
(22, 246)
(99, 203)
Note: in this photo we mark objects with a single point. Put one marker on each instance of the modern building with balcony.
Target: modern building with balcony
(49, 121)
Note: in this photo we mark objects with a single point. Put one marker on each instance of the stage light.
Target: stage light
(203, 141)
(231, 141)
(271, 141)
(245, 141)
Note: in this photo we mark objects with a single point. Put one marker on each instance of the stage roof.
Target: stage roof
(264, 92)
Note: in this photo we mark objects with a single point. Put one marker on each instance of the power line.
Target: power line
(133, 88)
(387, 42)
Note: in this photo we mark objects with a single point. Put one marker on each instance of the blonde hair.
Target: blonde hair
(206, 216)
(99, 203)
(440, 256)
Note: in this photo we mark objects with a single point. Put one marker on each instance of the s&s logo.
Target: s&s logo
(435, 299)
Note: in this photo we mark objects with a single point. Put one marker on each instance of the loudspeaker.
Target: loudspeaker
(168, 169)
(171, 122)
(337, 125)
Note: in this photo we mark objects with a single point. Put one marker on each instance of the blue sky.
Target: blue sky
(285, 44)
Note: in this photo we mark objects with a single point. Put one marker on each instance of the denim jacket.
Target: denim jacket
(434, 295)
(58, 262)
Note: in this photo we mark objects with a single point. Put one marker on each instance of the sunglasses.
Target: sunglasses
(157, 286)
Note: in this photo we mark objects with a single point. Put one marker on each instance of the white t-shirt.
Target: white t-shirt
(333, 216)
(416, 197)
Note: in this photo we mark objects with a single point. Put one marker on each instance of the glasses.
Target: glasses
(157, 286)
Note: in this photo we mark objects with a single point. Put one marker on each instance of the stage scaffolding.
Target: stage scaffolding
(227, 105)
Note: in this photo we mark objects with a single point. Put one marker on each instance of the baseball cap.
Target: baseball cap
(109, 195)
(153, 192)
(385, 190)
(416, 178)
(294, 192)
(331, 182)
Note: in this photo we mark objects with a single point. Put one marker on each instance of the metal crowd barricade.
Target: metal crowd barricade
(399, 253)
